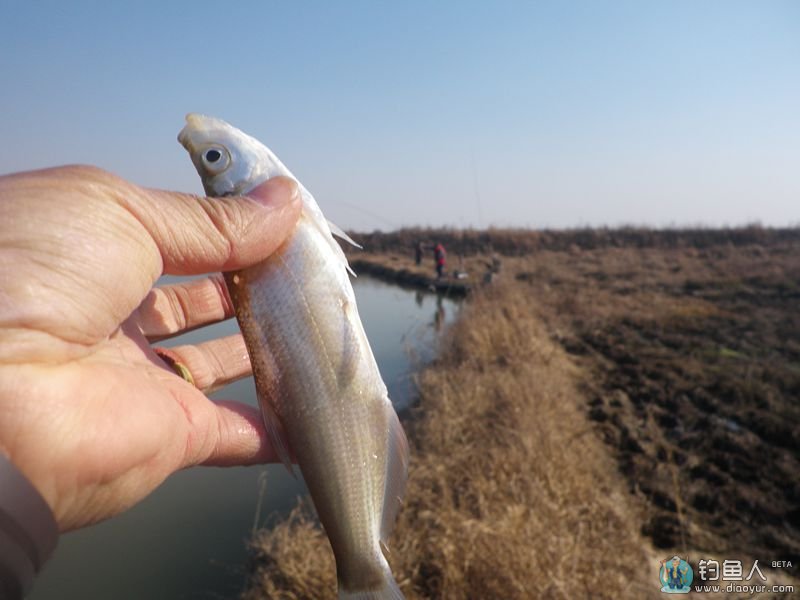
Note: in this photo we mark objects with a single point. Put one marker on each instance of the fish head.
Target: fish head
(229, 161)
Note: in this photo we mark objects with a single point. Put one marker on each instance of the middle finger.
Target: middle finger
(173, 309)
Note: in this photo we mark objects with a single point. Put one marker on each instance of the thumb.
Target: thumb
(195, 234)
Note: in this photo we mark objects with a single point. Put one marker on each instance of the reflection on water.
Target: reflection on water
(187, 540)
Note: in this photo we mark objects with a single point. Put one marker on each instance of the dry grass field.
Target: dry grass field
(613, 397)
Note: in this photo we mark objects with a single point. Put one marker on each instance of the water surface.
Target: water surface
(188, 538)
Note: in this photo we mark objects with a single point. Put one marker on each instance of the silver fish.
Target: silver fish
(318, 385)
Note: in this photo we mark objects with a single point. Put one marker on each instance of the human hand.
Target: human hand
(88, 411)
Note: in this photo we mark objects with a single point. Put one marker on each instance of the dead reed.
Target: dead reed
(511, 494)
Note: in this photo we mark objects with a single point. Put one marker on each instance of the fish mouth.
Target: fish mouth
(185, 141)
(197, 124)
(198, 129)
(194, 122)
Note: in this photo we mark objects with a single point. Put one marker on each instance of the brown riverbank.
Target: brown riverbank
(405, 273)
(681, 357)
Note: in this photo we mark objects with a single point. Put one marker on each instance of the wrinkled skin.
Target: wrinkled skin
(88, 412)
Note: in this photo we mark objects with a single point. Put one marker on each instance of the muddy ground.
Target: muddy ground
(693, 345)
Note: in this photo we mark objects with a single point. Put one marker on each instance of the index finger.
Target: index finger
(196, 235)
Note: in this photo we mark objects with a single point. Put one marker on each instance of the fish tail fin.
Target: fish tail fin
(389, 590)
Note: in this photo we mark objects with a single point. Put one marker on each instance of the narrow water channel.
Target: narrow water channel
(187, 540)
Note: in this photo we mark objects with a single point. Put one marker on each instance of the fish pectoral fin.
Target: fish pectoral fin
(352, 344)
(396, 474)
(339, 232)
(276, 434)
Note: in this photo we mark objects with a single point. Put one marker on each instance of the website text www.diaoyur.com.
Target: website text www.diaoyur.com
(744, 589)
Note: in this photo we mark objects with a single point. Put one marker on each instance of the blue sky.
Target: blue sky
(540, 114)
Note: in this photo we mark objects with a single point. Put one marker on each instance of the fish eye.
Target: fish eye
(216, 158)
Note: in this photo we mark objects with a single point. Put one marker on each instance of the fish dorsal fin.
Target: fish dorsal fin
(396, 475)
(339, 232)
(276, 433)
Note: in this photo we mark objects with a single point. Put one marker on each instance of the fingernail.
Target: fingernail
(277, 191)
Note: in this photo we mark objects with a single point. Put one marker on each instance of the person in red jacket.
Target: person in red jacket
(440, 256)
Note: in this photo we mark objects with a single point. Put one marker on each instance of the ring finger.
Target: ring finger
(210, 365)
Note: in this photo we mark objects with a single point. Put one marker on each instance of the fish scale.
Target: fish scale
(319, 387)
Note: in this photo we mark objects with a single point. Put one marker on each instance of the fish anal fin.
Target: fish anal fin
(396, 474)
(276, 434)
